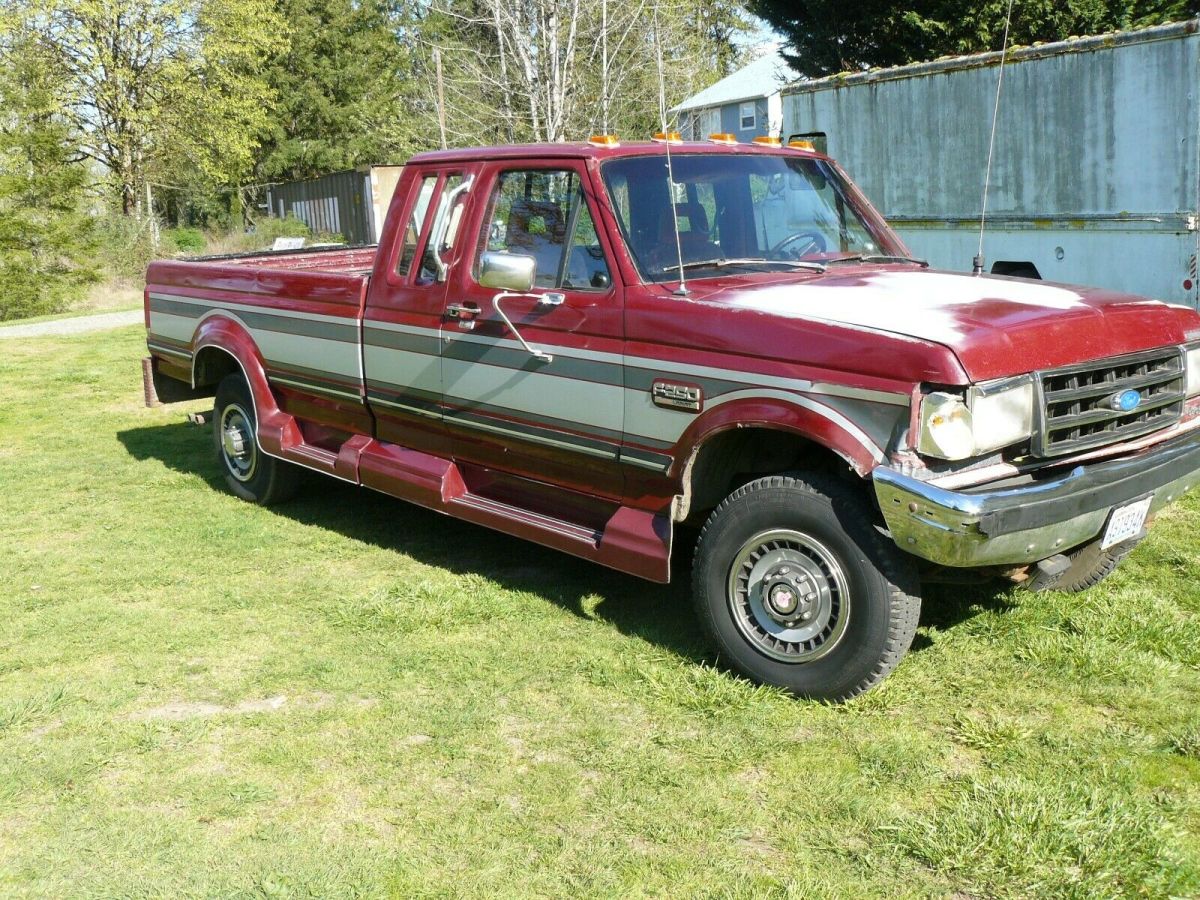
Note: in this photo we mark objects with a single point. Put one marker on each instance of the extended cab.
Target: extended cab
(591, 345)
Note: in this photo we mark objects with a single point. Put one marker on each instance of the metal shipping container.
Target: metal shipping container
(351, 203)
(1096, 177)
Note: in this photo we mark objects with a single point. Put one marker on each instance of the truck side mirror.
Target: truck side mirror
(507, 271)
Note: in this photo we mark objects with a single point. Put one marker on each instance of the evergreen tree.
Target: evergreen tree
(46, 235)
(342, 89)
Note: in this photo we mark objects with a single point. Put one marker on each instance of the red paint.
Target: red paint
(877, 331)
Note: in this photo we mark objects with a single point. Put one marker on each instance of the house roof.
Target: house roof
(760, 78)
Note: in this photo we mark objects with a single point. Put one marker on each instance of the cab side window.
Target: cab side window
(542, 213)
(429, 272)
(416, 219)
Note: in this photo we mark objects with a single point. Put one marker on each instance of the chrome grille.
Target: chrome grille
(1076, 401)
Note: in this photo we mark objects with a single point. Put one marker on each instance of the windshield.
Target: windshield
(761, 212)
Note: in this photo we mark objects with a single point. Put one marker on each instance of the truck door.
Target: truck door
(532, 380)
(401, 361)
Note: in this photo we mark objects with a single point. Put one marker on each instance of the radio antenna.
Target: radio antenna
(977, 268)
(682, 290)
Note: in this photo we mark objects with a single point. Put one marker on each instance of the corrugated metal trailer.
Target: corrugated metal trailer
(352, 203)
(1096, 178)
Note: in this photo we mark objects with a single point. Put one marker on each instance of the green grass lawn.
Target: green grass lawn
(350, 696)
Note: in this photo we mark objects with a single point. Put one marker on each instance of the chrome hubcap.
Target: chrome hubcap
(237, 443)
(789, 596)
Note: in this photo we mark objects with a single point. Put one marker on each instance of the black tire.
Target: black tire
(249, 473)
(1089, 566)
(854, 626)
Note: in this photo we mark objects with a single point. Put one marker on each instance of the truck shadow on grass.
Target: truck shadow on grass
(657, 613)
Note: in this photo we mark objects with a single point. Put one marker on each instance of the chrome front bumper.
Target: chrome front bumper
(1030, 522)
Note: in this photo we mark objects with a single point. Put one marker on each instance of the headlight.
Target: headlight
(1003, 412)
(945, 427)
(1192, 358)
(990, 417)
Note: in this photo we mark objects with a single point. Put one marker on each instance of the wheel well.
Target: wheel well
(211, 365)
(732, 458)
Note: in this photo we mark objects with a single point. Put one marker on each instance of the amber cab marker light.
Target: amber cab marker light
(670, 137)
(604, 140)
(722, 138)
(765, 141)
(802, 145)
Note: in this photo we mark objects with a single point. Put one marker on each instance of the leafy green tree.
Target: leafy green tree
(343, 88)
(157, 87)
(829, 36)
(46, 235)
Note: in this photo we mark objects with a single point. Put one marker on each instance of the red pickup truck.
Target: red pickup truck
(590, 345)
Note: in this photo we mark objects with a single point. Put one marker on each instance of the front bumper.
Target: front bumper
(1030, 522)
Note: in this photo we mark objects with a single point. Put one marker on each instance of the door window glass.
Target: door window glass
(543, 214)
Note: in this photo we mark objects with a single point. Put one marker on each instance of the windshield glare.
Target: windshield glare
(762, 212)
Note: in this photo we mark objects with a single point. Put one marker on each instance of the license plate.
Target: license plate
(1125, 522)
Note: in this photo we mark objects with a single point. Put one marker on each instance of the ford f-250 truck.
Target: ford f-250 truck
(591, 345)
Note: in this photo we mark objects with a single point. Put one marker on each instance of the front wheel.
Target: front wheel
(249, 473)
(797, 588)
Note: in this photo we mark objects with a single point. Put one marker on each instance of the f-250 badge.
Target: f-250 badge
(673, 395)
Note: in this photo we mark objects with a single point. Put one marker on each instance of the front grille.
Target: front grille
(1076, 401)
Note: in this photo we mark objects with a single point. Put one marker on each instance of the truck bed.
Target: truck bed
(356, 259)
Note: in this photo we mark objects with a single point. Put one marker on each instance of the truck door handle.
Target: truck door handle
(463, 314)
(462, 311)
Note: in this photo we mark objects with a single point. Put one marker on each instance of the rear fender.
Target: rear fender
(277, 431)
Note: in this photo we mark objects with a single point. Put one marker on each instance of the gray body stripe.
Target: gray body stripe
(644, 423)
(659, 462)
(549, 421)
(168, 349)
(518, 358)
(323, 327)
(351, 315)
(400, 340)
(320, 376)
(537, 435)
(309, 386)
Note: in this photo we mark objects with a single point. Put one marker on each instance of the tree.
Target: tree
(343, 85)
(549, 70)
(829, 36)
(45, 232)
(157, 87)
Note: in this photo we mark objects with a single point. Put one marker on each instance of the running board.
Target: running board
(632, 540)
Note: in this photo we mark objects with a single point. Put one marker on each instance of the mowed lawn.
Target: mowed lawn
(350, 696)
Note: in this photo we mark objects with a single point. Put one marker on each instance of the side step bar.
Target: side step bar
(634, 541)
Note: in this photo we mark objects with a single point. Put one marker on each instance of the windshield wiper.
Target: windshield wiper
(747, 261)
(879, 258)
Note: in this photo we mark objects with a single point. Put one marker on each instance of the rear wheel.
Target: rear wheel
(798, 589)
(249, 473)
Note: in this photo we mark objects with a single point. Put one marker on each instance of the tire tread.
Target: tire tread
(899, 571)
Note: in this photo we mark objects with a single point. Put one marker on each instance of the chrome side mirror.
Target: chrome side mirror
(507, 271)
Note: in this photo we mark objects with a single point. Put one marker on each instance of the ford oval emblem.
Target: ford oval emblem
(1126, 401)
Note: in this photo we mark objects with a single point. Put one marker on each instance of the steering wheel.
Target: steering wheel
(814, 243)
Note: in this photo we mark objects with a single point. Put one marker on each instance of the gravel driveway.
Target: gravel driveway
(79, 325)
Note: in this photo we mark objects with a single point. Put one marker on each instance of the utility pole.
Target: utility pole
(441, 96)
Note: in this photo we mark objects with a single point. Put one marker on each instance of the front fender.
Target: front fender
(798, 414)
